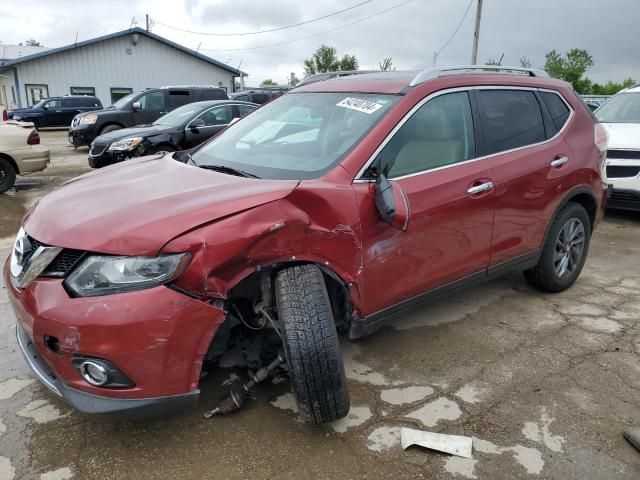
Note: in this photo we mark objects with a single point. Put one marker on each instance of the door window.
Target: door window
(510, 119)
(53, 104)
(242, 98)
(259, 98)
(217, 116)
(439, 133)
(177, 98)
(152, 101)
(244, 109)
(558, 110)
(213, 94)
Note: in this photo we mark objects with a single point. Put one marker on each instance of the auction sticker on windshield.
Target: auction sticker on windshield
(359, 105)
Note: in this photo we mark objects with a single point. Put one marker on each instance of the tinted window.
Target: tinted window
(259, 97)
(178, 98)
(152, 101)
(71, 102)
(511, 119)
(217, 116)
(558, 110)
(439, 133)
(244, 109)
(54, 104)
(213, 94)
(242, 98)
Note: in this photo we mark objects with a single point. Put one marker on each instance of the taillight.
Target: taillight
(601, 137)
(5, 115)
(34, 138)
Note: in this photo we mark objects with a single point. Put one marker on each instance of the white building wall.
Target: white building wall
(119, 63)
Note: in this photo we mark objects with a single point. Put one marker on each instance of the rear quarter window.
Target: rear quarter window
(510, 119)
(177, 98)
(557, 109)
(213, 94)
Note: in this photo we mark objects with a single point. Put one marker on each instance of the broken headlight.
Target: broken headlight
(103, 275)
(127, 144)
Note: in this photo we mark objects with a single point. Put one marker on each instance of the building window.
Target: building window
(83, 91)
(117, 93)
(36, 92)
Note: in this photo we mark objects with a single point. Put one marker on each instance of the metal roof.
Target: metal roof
(122, 33)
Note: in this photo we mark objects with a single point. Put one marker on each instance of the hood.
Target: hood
(624, 136)
(23, 110)
(135, 207)
(139, 131)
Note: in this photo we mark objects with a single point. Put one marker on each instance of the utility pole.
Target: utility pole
(149, 26)
(476, 34)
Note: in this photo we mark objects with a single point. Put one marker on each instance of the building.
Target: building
(109, 67)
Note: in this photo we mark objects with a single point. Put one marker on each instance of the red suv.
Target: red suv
(333, 208)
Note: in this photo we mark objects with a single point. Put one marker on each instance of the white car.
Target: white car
(20, 152)
(620, 116)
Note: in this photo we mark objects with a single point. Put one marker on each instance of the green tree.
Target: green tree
(386, 64)
(570, 68)
(525, 62)
(491, 61)
(611, 88)
(32, 43)
(325, 59)
(268, 81)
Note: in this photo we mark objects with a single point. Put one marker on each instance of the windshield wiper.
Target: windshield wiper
(228, 170)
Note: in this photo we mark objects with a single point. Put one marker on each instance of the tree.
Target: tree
(525, 62)
(32, 43)
(325, 59)
(491, 61)
(268, 81)
(293, 81)
(611, 88)
(386, 64)
(570, 68)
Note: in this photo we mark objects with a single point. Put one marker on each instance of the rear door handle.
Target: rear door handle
(483, 187)
(558, 162)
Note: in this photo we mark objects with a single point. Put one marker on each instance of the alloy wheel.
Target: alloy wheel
(569, 247)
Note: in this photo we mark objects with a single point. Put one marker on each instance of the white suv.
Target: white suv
(621, 118)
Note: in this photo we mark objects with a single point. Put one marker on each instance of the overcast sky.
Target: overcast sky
(410, 34)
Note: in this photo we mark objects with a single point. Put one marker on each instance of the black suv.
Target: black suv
(138, 108)
(56, 111)
(256, 96)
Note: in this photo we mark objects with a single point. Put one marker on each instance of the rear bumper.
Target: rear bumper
(33, 158)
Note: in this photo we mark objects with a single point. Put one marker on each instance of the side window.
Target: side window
(212, 94)
(54, 104)
(177, 98)
(90, 102)
(217, 116)
(510, 119)
(242, 98)
(71, 102)
(259, 98)
(152, 101)
(244, 109)
(439, 133)
(558, 110)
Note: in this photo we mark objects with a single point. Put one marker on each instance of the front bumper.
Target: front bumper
(82, 136)
(108, 157)
(156, 337)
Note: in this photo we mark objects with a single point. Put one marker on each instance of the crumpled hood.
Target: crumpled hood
(623, 135)
(138, 131)
(135, 207)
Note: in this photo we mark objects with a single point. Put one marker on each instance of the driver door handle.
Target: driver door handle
(483, 187)
(558, 162)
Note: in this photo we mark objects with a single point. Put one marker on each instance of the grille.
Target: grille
(97, 149)
(622, 171)
(66, 260)
(624, 199)
(624, 154)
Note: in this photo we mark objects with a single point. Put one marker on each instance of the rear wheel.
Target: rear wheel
(109, 128)
(564, 251)
(7, 175)
(160, 148)
(311, 344)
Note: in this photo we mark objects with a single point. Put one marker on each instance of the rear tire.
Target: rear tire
(564, 251)
(7, 175)
(311, 344)
(161, 148)
(109, 128)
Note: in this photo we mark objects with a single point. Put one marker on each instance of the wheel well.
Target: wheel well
(110, 124)
(11, 161)
(588, 203)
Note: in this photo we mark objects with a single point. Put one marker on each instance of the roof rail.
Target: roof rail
(431, 73)
(319, 77)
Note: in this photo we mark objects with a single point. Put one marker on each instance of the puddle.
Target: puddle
(286, 402)
(59, 474)
(542, 434)
(383, 438)
(10, 387)
(529, 458)
(358, 371)
(470, 394)
(435, 411)
(461, 466)
(357, 416)
(7, 472)
(402, 395)
(40, 411)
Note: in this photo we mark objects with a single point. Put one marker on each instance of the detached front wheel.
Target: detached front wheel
(311, 344)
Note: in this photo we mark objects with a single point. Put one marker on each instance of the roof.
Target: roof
(379, 82)
(123, 33)
(11, 52)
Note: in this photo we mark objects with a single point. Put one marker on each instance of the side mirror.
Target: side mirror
(392, 203)
(45, 107)
(136, 106)
(196, 124)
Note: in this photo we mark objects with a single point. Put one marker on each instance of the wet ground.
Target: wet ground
(543, 383)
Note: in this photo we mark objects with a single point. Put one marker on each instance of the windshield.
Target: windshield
(124, 100)
(623, 108)
(39, 104)
(179, 116)
(297, 136)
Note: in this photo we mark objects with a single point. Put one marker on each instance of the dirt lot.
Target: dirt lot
(544, 384)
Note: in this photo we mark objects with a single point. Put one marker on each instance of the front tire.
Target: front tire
(110, 128)
(564, 251)
(311, 344)
(7, 175)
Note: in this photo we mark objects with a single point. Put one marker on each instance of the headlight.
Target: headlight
(89, 119)
(103, 275)
(17, 117)
(127, 144)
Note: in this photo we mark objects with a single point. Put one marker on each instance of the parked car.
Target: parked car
(185, 127)
(20, 152)
(256, 96)
(139, 108)
(620, 116)
(334, 208)
(56, 111)
(4, 113)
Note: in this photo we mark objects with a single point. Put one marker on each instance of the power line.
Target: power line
(266, 31)
(308, 36)
(437, 54)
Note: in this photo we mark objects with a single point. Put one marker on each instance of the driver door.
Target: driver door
(207, 124)
(450, 199)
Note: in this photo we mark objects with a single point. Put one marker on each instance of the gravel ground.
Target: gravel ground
(543, 383)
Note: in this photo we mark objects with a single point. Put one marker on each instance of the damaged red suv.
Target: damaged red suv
(328, 211)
